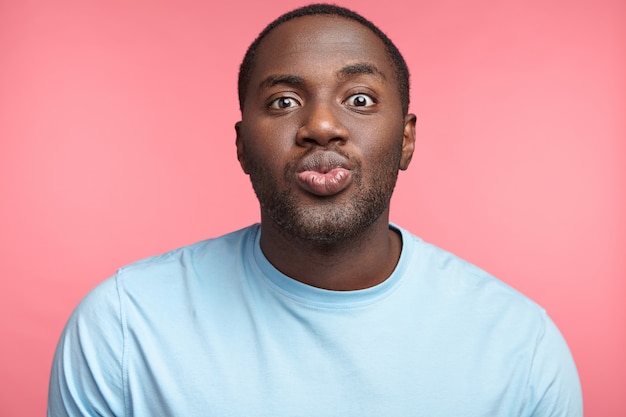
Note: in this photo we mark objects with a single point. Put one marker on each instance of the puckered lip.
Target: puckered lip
(323, 162)
(324, 173)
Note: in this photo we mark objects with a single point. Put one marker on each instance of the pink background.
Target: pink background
(117, 142)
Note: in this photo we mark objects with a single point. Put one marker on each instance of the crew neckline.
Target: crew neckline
(319, 297)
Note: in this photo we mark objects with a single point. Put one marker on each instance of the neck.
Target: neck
(361, 262)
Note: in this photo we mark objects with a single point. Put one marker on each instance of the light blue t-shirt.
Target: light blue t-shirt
(213, 329)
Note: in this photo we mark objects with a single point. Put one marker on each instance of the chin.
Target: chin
(326, 228)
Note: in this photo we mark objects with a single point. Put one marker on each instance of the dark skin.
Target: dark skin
(323, 86)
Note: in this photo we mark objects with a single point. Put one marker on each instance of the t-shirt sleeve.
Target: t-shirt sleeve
(554, 385)
(87, 374)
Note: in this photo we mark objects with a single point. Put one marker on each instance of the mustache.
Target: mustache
(322, 160)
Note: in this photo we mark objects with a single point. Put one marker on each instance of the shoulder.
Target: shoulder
(457, 279)
(140, 299)
(187, 261)
(468, 301)
(213, 247)
(153, 280)
(479, 307)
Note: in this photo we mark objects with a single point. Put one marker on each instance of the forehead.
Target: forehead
(320, 44)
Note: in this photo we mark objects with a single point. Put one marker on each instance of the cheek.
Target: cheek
(266, 149)
(272, 132)
(376, 142)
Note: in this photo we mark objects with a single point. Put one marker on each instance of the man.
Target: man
(324, 309)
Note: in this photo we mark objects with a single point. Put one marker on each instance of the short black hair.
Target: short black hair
(401, 69)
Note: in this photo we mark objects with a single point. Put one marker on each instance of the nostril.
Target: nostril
(321, 127)
(321, 141)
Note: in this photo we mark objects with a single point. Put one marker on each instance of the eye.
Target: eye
(360, 100)
(284, 103)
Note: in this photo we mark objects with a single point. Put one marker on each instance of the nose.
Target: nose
(321, 125)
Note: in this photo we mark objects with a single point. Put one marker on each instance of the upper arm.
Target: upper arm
(553, 383)
(87, 371)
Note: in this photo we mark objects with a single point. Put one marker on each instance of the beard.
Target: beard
(327, 221)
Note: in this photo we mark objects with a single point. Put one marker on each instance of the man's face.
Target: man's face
(323, 133)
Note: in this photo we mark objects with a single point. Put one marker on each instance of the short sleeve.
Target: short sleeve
(87, 374)
(554, 387)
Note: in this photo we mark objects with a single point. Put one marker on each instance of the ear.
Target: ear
(408, 141)
(241, 153)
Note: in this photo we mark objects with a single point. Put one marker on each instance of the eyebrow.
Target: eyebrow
(273, 80)
(352, 69)
(360, 68)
